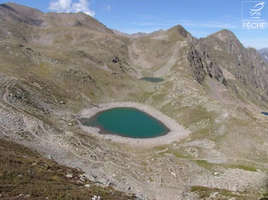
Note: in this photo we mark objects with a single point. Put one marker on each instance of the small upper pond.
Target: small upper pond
(127, 122)
(265, 113)
(152, 79)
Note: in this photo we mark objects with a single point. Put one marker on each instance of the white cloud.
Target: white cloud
(211, 25)
(186, 23)
(70, 6)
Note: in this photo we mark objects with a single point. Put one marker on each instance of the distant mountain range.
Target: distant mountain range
(264, 53)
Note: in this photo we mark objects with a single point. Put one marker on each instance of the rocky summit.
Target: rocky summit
(55, 65)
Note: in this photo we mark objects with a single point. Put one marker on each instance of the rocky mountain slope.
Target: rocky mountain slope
(264, 53)
(55, 65)
(26, 175)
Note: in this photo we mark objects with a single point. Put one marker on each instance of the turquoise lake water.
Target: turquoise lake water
(127, 122)
(152, 79)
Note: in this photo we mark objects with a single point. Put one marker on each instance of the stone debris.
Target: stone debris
(69, 175)
(216, 174)
(82, 178)
(96, 197)
(62, 102)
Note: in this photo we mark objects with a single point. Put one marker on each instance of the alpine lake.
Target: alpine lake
(126, 122)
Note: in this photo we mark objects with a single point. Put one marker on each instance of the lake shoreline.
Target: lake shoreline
(103, 131)
(176, 131)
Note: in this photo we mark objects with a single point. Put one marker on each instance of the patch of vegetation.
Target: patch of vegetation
(160, 148)
(265, 196)
(178, 154)
(195, 115)
(200, 134)
(144, 96)
(159, 97)
(243, 167)
(205, 164)
(164, 149)
(220, 194)
(24, 174)
(171, 111)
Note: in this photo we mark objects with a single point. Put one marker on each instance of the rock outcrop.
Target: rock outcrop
(203, 66)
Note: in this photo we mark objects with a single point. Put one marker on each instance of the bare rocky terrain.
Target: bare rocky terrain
(53, 66)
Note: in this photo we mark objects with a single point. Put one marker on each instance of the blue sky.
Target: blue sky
(200, 18)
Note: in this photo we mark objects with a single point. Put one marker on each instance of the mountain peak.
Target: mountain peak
(19, 13)
(226, 38)
(24, 10)
(75, 19)
(224, 35)
(179, 29)
(13, 12)
(178, 32)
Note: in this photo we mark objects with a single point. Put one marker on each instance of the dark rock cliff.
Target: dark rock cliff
(203, 66)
